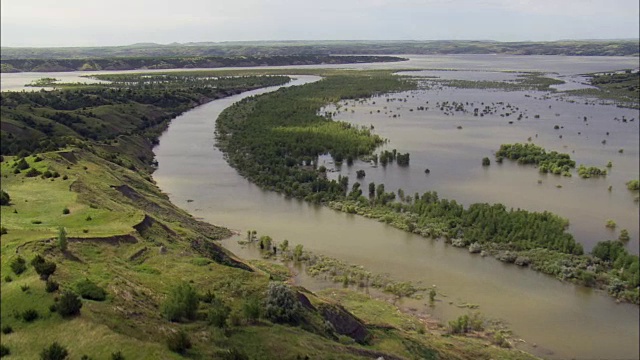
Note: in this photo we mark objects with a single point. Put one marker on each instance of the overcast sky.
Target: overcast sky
(122, 22)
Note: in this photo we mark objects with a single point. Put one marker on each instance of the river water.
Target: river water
(563, 320)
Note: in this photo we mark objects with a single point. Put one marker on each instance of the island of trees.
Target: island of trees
(275, 140)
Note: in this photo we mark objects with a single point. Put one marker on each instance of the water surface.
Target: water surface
(564, 320)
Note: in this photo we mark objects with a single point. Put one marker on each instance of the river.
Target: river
(563, 320)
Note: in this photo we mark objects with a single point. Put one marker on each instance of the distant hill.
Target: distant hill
(177, 62)
(254, 48)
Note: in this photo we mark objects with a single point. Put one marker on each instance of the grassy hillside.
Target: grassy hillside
(148, 273)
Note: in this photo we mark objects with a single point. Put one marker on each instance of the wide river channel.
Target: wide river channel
(557, 320)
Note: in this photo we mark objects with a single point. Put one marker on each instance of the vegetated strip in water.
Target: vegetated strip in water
(548, 162)
(275, 139)
(320, 265)
(353, 275)
(621, 87)
(526, 81)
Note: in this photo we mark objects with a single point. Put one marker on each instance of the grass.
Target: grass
(401, 336)
(138, 246)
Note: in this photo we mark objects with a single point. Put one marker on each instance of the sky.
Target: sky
(40, 23)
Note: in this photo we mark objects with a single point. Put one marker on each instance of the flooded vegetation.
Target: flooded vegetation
(413, 171)
(409, 257)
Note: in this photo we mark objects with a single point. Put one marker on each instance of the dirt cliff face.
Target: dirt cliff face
(344, 323)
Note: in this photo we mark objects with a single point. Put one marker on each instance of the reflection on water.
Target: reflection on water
(572, 321)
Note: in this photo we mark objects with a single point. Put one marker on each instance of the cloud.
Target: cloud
(118, 22)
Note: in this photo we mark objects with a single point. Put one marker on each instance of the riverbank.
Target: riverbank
(285, 159)
(127, 240)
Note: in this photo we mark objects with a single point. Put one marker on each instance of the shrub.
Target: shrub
(55, 351)
(18, 265)
(8, 278)
(89, 290)
(182, 303)
(486, 161)
(500, 340)
(7, 329)
(43, 268)
(208, 297)
(24, 288)
(218, 314)
(251, 309)
(69, 304)
(475, 248)
(4, 351)
(62, 238)
(5, 199)
(33, 172)
(624, 235)
(51, 286)
(3, 230)
(66, 211)
(282, 304)
(22, 165)
(117, 355)
(179, 342)
(465, 323)
(30, 315)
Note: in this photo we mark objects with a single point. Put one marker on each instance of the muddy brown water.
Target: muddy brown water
(563, 320)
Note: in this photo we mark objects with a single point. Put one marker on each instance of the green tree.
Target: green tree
(18, 265)
(282, 305)
(90, 290)
(4, 350)
(252, 309)
(265, 242)
(285, 245)
(62, 239)
(432, 294)
(43, 268)
(624, 235)
(297, 252)
(218, 313)
(69, 304)
(181, 304)
(54, 351)
(179, 342)
(5, 199)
